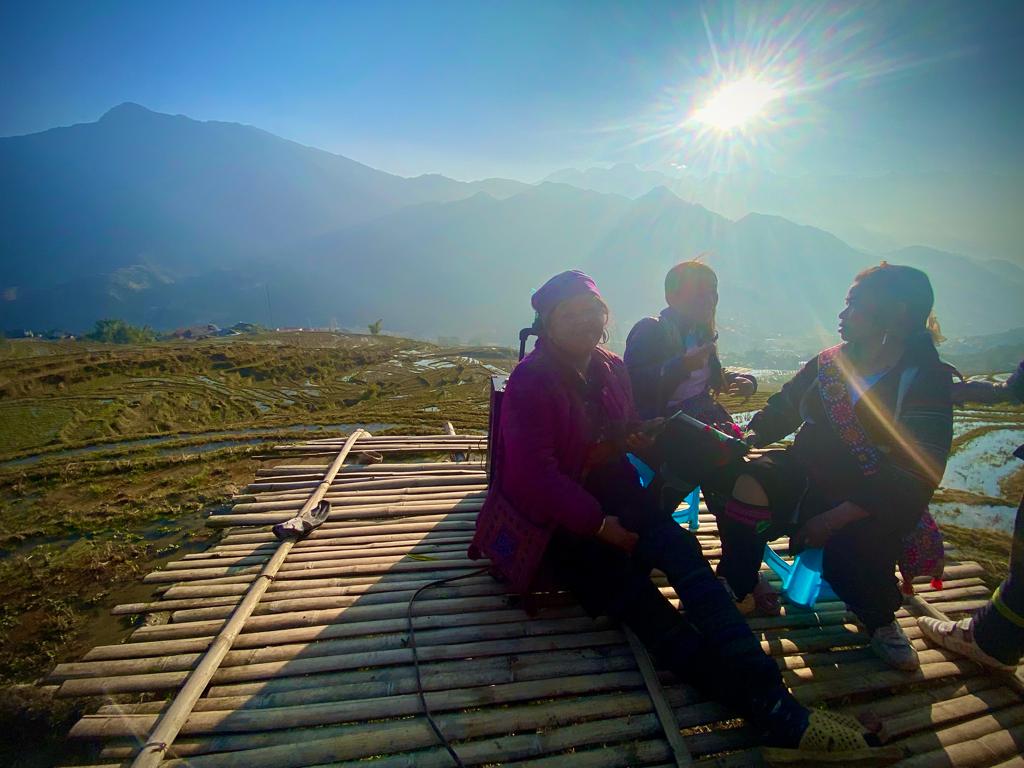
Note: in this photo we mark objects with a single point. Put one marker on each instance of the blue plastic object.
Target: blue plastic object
(804, 583)
(689, 510)
(801, 582)
(645, 472)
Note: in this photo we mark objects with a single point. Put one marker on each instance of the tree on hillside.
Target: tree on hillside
(375, 327)
(115, 331)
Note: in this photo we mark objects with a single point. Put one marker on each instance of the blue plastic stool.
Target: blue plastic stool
(688, 511)
(801, 582)
(645, 472)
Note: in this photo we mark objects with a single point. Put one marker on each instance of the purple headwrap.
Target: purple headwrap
(561, 287)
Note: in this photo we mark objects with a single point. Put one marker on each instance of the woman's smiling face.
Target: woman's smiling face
(577, 324)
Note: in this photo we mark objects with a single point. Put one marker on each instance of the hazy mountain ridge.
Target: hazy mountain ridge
(140, 187)
(957, 212)
(170, 221)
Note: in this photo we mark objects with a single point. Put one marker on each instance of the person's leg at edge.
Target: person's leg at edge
(1000, 633)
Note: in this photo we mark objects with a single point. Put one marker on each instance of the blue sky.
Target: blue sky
(520, 89)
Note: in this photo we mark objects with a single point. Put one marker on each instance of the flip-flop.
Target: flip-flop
(302, 525)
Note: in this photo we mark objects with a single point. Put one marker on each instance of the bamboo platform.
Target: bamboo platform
(321, 672)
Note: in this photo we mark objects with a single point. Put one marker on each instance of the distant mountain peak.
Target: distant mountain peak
(128, 109)
(661, 192)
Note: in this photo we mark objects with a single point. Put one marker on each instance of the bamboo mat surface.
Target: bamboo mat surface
(322, 674)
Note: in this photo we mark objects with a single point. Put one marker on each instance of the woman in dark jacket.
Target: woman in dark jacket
(875, 425)
(565, 497)
(674, 366)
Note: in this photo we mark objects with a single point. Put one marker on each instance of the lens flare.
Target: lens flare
(736, 104)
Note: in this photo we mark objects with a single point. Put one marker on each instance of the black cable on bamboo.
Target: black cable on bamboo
(416, 659)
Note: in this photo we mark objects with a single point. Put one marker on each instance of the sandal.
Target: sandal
(300, 526)
(766, 599)
(833, 738)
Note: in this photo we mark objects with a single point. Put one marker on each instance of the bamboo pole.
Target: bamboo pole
(312, 599)
(279, 749)
(151, 681)
(352, 513)
(326, 632)
(499, 748)
(566, 681)
(291, 489)
(361, 500)
(943, 712)
(479, 639)
(354, 469)
(981, 741)
(170, 723)
(420, 524)
(316, 545)
(666, 717)
(319, 554)
(507, 668)
(336, 712)
(324, 568)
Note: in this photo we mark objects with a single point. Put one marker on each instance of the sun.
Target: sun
(736, 104)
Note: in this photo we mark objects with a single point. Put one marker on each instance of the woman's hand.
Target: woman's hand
(612, 532)
(816, 532)
(741, 386)
(651, 425)
(697, 358)
(641, 439)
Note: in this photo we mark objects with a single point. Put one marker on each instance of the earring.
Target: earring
(885, 338)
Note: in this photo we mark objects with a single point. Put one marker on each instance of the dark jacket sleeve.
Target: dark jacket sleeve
(987, 392)
(781, 414)
(918, 449)
(644, 358)
(532, 478)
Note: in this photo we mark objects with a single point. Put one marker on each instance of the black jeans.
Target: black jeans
(998, 635)
(859, 560)
(859, 563)
(710, 647)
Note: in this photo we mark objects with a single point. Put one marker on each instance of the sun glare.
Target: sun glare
(735, 104)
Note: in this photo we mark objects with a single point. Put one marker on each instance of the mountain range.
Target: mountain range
(972, 213)
(169, 221)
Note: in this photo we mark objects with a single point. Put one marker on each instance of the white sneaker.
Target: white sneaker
(958, 636)
(891, 645)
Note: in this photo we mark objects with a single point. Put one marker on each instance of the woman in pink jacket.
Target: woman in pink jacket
(565, 499)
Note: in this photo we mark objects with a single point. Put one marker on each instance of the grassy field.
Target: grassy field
(103, 465)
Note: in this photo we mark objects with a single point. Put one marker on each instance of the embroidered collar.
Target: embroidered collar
(835, 395)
